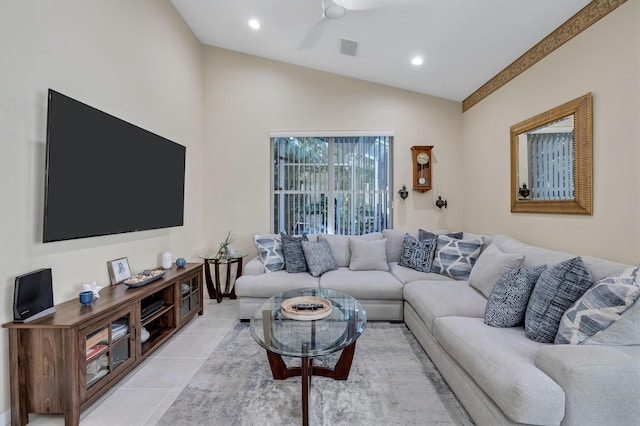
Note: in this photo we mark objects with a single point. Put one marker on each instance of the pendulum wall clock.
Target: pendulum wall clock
(421, 158)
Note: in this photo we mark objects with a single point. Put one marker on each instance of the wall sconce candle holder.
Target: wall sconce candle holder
(440, 203)
(403, 192)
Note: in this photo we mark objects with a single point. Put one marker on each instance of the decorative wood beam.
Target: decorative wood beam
(579, 22)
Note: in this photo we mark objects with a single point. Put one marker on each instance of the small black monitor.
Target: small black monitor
(33, 295)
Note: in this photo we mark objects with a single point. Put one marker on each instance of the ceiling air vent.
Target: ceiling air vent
(348, 47)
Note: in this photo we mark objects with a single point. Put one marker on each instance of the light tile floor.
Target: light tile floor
(146, 393)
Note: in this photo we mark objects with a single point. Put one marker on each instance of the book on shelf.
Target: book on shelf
(96, 337)
(95, 350)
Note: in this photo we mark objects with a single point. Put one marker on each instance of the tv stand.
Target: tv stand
(62, 363)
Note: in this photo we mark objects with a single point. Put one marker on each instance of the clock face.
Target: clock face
(423, 158)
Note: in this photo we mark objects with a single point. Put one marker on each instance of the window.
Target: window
(333, 184)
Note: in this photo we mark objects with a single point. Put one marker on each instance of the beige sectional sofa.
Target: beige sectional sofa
(499, 375)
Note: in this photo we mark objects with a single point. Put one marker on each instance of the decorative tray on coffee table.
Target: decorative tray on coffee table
(306, 308)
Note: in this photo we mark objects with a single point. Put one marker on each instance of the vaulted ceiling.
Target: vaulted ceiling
(463, 43)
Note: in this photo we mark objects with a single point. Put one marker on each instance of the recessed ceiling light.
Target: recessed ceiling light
(417, 60)
(254, 24)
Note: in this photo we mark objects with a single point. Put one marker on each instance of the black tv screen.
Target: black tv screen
(107, 176)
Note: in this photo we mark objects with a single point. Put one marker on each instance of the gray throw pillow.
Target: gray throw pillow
(269, 248)
(491, 265)
(426, 235)
(603, 315)
(508, 300)
(416, 254)
(368, 255)
(556, 290)
(294, 260)
(455, 258)
(319, 257)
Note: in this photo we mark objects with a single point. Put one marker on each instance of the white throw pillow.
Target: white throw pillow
(339, 245)
(368, 255)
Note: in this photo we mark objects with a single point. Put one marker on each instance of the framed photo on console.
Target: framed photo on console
(118, 270)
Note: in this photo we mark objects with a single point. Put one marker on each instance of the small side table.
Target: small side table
(214, 286)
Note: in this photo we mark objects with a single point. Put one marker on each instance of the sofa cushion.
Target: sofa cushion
(368, 255)
(406, 275)
(294, 260)
(455, 258)
(435, 299)
(417, 254)
(428, 236)
(508, 300)
(534, 256)
(556, 290)
(339, 245)
(363, 285)
(268, 285)
(269, 248)
(490, 266)
(319, 257)
(589, 320)
(502, 362)
(395, 238)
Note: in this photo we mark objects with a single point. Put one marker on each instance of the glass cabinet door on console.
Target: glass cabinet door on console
(108, 346)
(190, 298)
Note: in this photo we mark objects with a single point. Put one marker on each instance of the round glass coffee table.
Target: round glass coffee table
(307, 339)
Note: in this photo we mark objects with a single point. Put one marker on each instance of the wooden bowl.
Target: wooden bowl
(289, 308)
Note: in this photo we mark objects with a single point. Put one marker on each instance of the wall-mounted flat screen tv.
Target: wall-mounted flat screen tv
(107, 176)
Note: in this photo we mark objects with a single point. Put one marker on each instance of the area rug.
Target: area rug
(392, 382)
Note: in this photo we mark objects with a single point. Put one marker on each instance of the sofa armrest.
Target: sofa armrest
(253, 267)
(601, 383)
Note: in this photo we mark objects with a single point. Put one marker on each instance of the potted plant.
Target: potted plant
(225, 251)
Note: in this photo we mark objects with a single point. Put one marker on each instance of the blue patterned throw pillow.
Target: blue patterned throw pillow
(294, 260)
(508, 300)
(455, 258)
(604, 314)
(416, 254)
(319, 257)
(556, 290)
(269, 248)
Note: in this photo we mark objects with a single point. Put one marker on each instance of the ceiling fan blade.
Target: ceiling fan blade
(314, 34)
(373, 4)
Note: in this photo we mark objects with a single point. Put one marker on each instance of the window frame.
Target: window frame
(330, 170)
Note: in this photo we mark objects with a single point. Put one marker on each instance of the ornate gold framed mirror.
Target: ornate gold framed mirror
(551, 160)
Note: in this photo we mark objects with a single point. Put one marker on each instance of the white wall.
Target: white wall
(135, 59)
(603, 60)
(247, 97)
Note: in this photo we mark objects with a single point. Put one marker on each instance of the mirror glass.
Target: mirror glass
(551, 156)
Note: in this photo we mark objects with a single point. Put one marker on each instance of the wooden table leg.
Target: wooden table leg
(232, 294)
(210, 287)
(227, 283)
(216, 283)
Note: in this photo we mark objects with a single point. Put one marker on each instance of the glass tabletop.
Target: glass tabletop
(301, 338)
(217, 258)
